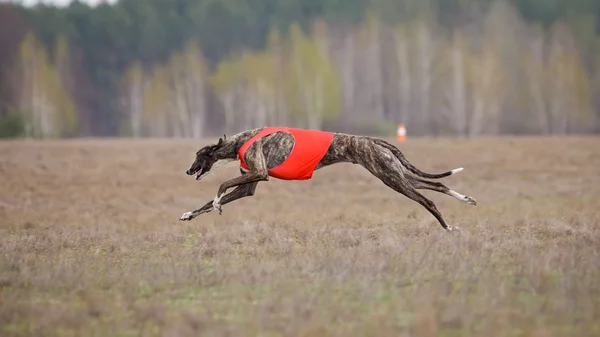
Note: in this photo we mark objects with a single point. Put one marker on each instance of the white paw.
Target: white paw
(470, 200)
(463, 198)
(217, 205)
(186, 216)
(452, 229)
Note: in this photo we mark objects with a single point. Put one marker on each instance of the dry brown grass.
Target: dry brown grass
(91, 245)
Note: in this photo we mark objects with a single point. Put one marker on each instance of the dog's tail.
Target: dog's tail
(410, 166)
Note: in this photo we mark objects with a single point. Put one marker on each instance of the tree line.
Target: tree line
(182, 68)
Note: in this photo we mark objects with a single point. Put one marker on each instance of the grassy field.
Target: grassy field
(91, 245)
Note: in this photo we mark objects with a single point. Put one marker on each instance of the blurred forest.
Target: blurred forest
(196, 68)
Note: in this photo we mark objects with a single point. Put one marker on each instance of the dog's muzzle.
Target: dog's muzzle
(198, 173)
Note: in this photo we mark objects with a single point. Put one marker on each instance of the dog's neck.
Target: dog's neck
(228, 151)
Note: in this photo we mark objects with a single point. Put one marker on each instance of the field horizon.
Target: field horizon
(92, 245)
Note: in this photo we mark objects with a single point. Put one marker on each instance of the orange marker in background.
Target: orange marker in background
(401, 133)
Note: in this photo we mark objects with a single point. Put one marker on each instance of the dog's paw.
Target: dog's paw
(464, 198)
(217, 205)
(452, 229)
(470, 200)
(186, 216)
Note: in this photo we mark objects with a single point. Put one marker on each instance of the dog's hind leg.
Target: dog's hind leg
(402, 185)
(419, 183)
(239, 192)
(389, 171)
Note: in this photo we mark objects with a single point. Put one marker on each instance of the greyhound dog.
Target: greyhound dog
(263, 151)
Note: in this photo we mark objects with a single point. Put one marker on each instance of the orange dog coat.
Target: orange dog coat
(309, 148)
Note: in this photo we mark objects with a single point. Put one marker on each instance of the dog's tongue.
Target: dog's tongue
(198, 174)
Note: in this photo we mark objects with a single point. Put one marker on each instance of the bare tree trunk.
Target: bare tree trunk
(196, 106)
(536, 78)
(458, 86)
(557, 115)
(374, 88)
(45, 111)
(425, 59)
(249, 110)
(347, 74)
(228, 99)
(182, 123)
(269, 99)
(197, 131)
(135, 108)
(26, 96)
(483, 111)
(315, 120)
(476, 119)
(405, 80)
(261, 105)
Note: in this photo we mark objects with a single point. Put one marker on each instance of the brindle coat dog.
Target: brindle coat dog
(379, 157)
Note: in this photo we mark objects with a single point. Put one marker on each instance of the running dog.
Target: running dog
(294, 154)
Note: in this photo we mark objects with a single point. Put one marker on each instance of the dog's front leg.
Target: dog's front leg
(238, 193)
(248, 178)
(255, 160)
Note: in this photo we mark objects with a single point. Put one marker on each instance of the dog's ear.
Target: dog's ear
(220, 142)
(224, 137)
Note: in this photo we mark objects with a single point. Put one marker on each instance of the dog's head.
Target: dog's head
(206, 157)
